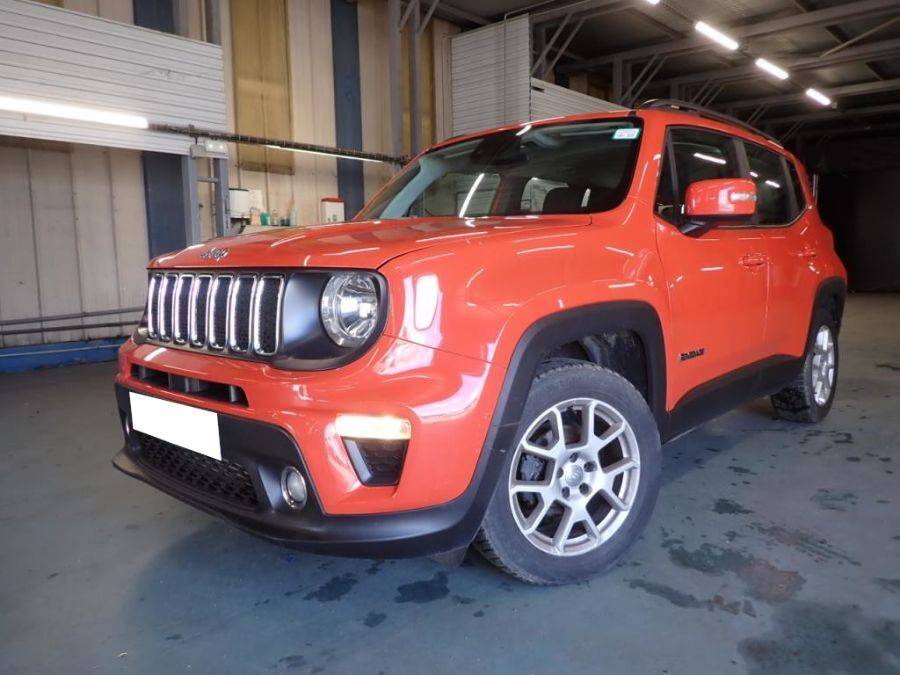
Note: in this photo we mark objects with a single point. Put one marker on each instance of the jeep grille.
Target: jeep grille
(230, 312)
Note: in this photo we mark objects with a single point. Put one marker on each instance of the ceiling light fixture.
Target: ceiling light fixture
(818, 96)
(772, 69)
(29, 106)
(717, 36)
(653, 2)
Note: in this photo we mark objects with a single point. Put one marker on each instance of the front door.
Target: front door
(717, 282)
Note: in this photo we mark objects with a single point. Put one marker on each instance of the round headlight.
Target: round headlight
(350, 308)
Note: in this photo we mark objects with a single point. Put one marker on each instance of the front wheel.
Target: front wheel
(582, 481)
(809, 397)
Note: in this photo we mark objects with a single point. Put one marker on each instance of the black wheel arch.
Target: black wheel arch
(582, 324)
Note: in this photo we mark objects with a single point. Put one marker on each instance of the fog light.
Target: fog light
(293, 488)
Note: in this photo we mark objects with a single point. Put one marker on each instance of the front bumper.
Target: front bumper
(264, 450)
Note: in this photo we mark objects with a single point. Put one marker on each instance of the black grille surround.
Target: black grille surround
(269, 315)
(222, 479)
(236, 313)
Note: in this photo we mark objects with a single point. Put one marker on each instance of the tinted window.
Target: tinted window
(699, 155)
(559, 168)
(772, 199)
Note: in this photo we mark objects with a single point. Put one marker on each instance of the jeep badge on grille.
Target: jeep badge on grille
(214, 254)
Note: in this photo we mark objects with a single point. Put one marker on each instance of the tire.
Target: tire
(803, 399)
(615, 487)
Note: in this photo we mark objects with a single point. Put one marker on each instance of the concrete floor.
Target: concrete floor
(774, 549)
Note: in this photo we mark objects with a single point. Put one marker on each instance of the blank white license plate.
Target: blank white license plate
(191, 428)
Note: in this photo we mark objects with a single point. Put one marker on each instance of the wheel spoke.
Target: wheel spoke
(590, 526)
(614, 500)
(588, 423)
(550, 453)
(529, 486)
(537, 516)
(623, 465)
(564, 529)
(611, 434)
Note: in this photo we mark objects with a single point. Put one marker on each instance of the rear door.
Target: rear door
(785, 221)
(717, 282)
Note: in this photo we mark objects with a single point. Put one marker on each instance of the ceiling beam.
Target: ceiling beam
(755, 29)
(876, 87)
(861, 53)
(842, 114)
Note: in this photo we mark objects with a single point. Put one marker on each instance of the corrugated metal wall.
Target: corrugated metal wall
(58, 55)
(73, 237)
(552, 100)
(491, 82)
(490, 75)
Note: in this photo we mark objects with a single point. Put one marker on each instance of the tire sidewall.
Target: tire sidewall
(557, 385)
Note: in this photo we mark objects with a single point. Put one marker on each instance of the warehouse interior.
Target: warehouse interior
(773, 548)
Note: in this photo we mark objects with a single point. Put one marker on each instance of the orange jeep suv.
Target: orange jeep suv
(494, 349)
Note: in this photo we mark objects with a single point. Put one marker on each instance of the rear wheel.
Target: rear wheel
(809, 397)
(582, 481)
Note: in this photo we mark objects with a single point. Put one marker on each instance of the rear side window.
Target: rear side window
(692, 155)
(773, 204)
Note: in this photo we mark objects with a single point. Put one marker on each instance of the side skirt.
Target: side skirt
(725, 393)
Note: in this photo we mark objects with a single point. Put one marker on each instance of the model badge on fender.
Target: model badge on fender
(693, 354)
(214, 254)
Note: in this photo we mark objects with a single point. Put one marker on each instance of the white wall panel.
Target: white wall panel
(490, 75)
(67, 56)
(19, 297)
(552, 100)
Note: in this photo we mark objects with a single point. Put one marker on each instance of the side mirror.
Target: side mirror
(721, 201)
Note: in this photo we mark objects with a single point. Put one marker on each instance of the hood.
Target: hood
(366, 244)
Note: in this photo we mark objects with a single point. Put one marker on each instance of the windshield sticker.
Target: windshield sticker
(626, 134)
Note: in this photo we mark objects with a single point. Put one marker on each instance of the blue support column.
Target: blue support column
(347, 102)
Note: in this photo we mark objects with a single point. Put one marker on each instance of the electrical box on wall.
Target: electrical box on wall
(332, 210)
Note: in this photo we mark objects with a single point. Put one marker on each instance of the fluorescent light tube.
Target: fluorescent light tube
(818, 97)
(772, 69)
(717, 36)
(29, 106)
(653, 2)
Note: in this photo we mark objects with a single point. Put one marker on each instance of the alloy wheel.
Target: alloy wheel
(823, 362)
(574, 477)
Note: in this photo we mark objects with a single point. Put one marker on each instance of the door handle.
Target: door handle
(753, 260)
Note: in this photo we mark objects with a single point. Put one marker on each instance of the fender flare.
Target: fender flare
(830, 289)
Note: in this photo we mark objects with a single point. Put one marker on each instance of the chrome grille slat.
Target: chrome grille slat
(240, 322)
(181, 307)
(267, 314)
(217, 324)
(232, 312)
(198, 307)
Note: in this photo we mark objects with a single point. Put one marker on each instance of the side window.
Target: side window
(798, 189)
(773, 205)
(698, 155)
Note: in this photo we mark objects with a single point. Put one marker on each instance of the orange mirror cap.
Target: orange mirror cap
(728, 197)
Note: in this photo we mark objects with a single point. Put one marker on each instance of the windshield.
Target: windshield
(579, 167)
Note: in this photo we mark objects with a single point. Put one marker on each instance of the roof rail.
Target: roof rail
(684, 106)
